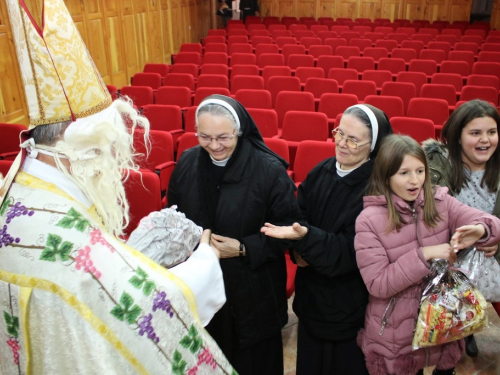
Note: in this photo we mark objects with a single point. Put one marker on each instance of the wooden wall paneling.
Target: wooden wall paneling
(413, 9)
(306, 8)
(459, 10)
(155, 37)
(495, 15)
(327, 9)
(370, 9)
(286, 8)
(347, 8)
(13, 106)
(177, 28)
(117, 60)
(267, 8)
(166, 29)
(390, 9)
(131, 43)
(437, 10)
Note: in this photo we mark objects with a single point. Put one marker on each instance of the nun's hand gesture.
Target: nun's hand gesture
(228, 247)
(294, 232)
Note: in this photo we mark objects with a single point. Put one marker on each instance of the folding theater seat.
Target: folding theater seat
(418, 128)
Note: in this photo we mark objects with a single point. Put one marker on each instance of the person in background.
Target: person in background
(232, 183)
(405, 224)
(467, 162)
(248, 8)
(330, 296)
(225, 11)
(74, 297)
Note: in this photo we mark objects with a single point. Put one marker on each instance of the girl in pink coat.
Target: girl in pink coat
(404, 225)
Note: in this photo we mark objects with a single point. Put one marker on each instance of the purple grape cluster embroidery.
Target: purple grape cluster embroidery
(5, 238)
(161, 302)
(17, 210)
(146, 327)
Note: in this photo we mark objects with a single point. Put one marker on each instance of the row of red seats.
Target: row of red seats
(268, 22)
(247, 77)
(476, 35)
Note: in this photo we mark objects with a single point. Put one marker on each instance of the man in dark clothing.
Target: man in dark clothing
(249, 8)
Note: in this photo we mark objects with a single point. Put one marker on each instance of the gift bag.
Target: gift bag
(166, 236)
(450, 309)
(483, 272)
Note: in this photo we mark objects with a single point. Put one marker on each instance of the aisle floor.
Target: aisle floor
(488, 341)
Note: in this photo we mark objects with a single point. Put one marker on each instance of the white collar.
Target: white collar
(219, 163)
(344, 172)
(47, 173)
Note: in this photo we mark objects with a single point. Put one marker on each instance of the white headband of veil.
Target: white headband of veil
(373, 121)
(223, 104)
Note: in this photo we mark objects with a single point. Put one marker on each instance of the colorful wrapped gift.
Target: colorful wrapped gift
(450, 309)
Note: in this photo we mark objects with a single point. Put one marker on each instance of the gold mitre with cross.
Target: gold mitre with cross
(60, 78)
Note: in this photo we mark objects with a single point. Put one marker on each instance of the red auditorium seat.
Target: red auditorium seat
(172, 95)
(417, 78)
(191, 69)
(293, 101)
(220, 69)
(341, 75)
(254, 98)
(246, 82)
(453, 79)
(488, 94)
(435, 110)
(143, 195)
(441, 91)
(278, 84)
(180, 80)
(377, 76)
(165, 118)
(392, 105)
(309, 154)
(140, 95)
(9, 141)
(299, 126)
(202, 92)
(359, 88)
(417, 128)
(333, 104)
(212, 80)
(405, 90)
(186, 141)
(152, 80)
(266, 120)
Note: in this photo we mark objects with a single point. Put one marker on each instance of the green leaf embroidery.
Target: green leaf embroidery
(126, 300)
(196, 345)
(73, 219)
(192, 340)
(140, 281)
(5, 205)
(177, 356)
(234, 372)
(149, 286)
(135, 281)
(65, 250)
(54, 247)
(126, 310)
(141, 273)
(133, 314)
(12, 323)
(48, 254)
(186, 342)
(192, 331)
(178, 365)
(53, 241)
(118, 312)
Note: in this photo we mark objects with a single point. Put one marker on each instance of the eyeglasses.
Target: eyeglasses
(351, 143)
(221, 139)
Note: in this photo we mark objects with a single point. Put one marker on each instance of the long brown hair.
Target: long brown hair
(393, 150)
(451, 135)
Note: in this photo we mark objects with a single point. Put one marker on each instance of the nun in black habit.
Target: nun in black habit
(330, 295)
(232, 183)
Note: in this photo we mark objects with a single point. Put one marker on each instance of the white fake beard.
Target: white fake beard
(100, 159)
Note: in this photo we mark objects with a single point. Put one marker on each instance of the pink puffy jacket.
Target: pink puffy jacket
(392, 265)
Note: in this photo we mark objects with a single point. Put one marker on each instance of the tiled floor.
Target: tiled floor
(488, 341)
